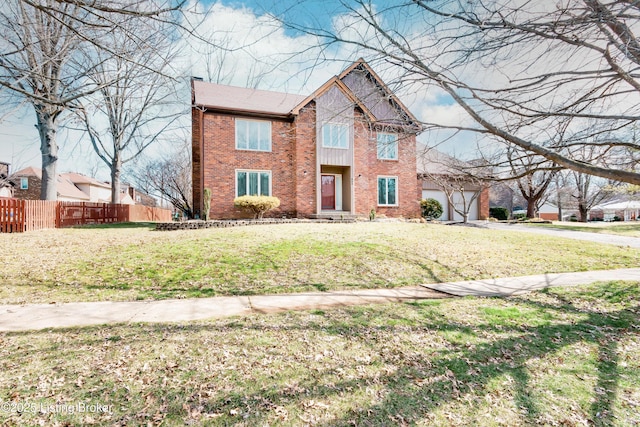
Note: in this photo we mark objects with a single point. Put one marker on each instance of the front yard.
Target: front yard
(561, 357)
(630, 229)
(132, 263)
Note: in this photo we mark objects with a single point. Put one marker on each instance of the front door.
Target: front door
(328, 191)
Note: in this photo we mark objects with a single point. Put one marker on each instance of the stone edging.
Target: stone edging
(196, 225)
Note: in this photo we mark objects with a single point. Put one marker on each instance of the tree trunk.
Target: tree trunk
(584, 212)
(531, 208)
(116, 165)
(47, 128)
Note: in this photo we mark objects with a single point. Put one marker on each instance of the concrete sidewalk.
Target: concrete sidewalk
(520, 285)
(44, 316)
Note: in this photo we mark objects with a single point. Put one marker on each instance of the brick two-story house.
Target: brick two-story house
(347, 148)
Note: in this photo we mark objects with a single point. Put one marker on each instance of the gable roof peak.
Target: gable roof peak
(334, 81)
(404, 116)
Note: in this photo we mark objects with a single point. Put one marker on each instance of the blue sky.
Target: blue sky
(245, 22)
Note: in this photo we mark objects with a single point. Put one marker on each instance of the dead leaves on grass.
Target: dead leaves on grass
(416, 364)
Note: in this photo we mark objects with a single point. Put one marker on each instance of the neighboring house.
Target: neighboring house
(441, 179)
(6, 185)
(625, 210)
(344, 150)
(98, 192)
(548, 211)
(28, 183)
(138, 197)
(72, 187)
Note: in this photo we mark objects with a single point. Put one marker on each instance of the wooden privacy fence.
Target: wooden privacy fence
(17, 216)
(11, 215)
(39, 214)
(81, 213)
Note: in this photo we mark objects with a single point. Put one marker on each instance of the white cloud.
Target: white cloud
(238, 47)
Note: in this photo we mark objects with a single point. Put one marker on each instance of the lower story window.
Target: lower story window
(387, 191)
(253, 183)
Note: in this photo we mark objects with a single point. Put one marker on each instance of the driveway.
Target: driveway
(610, 239)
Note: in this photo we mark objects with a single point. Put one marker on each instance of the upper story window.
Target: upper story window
(253, 135)
(387, 146)
(335, 135)
(24, 183)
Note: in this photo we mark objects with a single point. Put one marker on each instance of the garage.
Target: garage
(448, 213)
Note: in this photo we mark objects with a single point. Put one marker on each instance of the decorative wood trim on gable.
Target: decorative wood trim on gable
(362, 64)
(334, 81)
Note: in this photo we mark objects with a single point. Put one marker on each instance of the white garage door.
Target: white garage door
(442, 198)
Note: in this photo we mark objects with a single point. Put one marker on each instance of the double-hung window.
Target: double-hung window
(387, 191)
(387, 146)
(253, 135)
(335, 135)
(24, 183)
(253, 183)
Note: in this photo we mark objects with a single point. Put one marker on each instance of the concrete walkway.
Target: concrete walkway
(609, 239)
(44, 316)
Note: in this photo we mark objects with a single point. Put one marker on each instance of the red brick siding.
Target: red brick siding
(367, 169)
(221, 159)
(483, 203)
(305, 161)
(550, 216)
(292, 163)
(32, 193)
(196, 161)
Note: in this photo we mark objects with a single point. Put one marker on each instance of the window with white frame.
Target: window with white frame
(387, 146)
(253, 135)
(24, 183)
(335, 135)
(253, 183)
(387, 191)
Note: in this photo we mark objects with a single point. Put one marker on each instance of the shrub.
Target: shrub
(499, 213)
(431, 208)
(256, 204)
(520, 217)
(207, 203)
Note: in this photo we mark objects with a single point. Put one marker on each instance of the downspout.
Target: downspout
(202, 163)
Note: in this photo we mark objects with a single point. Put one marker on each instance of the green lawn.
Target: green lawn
(120, 263)
(565, 357)
(618, 228)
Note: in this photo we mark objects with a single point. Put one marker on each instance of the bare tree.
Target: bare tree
(135, 105)
(461, 192)
(40, 63)
(532, 176)
(454, 177)
(44, 59)
(170, 178)
(519, 69)
(586, 192)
